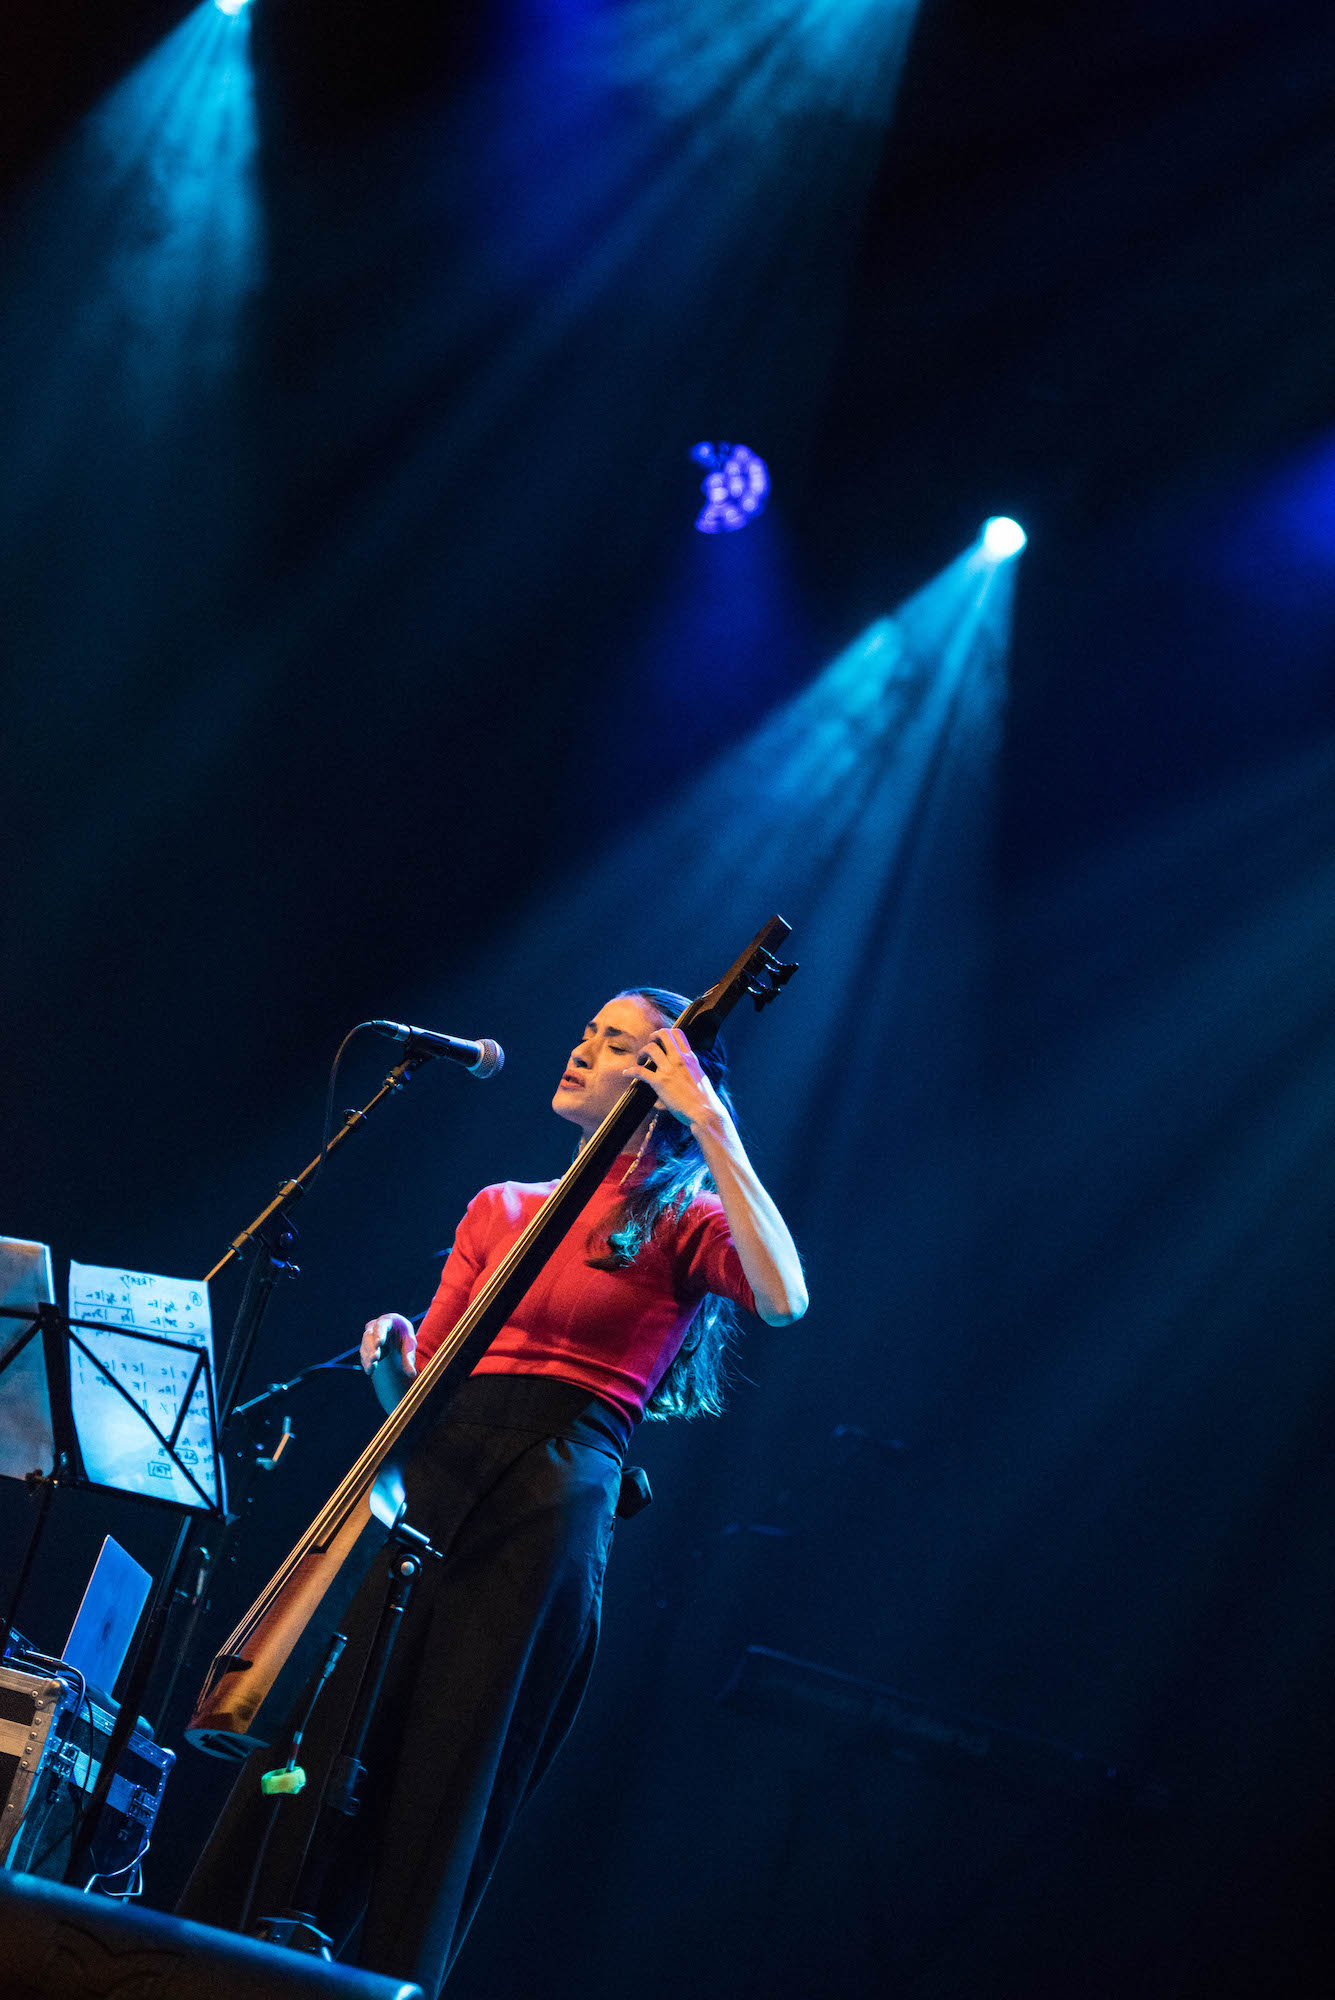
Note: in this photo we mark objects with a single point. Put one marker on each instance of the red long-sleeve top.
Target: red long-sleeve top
(613, 1332)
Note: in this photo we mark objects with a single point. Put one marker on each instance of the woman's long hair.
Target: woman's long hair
(695, 1384)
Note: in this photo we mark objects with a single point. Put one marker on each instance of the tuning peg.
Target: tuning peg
(766, 983)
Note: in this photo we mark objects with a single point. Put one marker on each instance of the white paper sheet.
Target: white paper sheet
(26, 1443)
(118, 1447)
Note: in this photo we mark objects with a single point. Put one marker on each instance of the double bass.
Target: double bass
(242, 1675)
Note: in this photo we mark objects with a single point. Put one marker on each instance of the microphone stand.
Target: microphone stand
(274, 1232)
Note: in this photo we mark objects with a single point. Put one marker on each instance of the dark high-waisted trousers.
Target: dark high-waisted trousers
(518, 1484)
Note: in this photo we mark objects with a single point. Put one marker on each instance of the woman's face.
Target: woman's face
(594, 1079)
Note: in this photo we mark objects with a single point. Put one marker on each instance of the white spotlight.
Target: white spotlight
(1003, 537)
(229, 6)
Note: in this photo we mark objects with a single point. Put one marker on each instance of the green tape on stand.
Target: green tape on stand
(277, 1782)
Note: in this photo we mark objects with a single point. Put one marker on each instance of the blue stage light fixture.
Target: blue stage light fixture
(230, 6)
(736, 487)
(1003, 537)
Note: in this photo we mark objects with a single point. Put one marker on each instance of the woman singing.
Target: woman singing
(518, 1485)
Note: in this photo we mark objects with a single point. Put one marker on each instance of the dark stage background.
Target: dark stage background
(361, 660)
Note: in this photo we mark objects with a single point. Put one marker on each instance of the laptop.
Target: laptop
(105, 1622)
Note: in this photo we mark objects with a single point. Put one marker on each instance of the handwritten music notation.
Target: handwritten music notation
(148, 1379)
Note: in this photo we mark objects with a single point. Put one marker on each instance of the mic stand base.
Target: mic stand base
(298, 1931)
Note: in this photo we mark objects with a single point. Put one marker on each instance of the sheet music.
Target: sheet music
(26, 1441)
(118, 1447)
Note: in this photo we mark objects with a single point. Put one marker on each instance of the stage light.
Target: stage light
(736, 487)
(230, 6)
(1003, 537)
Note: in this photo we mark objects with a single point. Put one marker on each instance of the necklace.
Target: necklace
(639, 1151)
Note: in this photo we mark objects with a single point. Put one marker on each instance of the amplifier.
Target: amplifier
(51, 1747)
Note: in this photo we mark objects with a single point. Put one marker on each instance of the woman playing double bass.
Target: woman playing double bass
(517, 1484)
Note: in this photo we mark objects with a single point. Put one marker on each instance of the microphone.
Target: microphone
(482, 1058)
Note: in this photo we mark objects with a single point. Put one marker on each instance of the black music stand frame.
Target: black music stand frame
(56, 1330)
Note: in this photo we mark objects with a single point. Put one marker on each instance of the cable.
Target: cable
(327, 1134)
(110, 1874)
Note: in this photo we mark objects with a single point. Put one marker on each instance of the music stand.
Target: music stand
(88, 1406)
(26, 1436)
(87, 1393)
